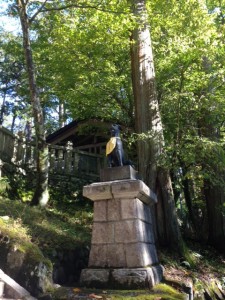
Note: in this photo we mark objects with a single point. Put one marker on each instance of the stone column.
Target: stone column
(123, 253)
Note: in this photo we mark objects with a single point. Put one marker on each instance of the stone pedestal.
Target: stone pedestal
(118, 173)
(123, 253)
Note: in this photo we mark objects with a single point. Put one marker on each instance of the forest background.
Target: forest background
(83, 67)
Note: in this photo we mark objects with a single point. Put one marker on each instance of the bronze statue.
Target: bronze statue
(114, 148)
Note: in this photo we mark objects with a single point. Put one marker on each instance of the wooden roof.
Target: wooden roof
(81, 132)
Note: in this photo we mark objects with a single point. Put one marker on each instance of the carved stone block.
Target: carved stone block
(102, 233)
(140, 255)
(100, 210)
(113, 210)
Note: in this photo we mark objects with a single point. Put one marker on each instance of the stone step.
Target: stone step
(2, 286)
(9, 288)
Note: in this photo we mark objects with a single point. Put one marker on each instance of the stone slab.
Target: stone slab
(118, 173)
(140, 255)
(133, 189)
(13, 289)
(114, 210)
(107, 256)
(100, 210)
(135, 209)
(132, 231)
(122, 278)
(121, 189)
(97, 278)
(98, 257)
(102, 233)
(121, 209)
(158, 271)
(121, 255)
(98, 191)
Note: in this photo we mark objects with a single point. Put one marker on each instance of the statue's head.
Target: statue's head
(115, 130)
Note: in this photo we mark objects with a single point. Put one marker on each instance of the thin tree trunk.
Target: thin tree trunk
(13, 122)
(171, 236)
(2, 113)
(149, 126)
(188, 196)
(41, 195)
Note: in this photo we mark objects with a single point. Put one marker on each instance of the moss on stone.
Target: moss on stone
(161, 291)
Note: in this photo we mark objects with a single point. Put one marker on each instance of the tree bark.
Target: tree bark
(2, 112)
(215, 199)
(149, 127)
(41, 195)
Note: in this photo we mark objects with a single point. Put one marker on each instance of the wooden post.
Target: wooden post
(76, 162)
(68, 158)
(60, 166)
(51, 160)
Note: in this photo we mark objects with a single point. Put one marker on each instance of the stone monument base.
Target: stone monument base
(123, 253)
(118, 173)
(136, 278)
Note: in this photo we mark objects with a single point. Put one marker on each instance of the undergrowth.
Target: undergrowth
(67, 224)
(52, 227)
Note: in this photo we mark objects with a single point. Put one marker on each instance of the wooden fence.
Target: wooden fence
(62, 160)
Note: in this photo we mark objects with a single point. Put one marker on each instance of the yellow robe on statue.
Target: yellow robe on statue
(110, 145)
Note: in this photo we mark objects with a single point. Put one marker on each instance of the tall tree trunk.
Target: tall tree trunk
(41, 195)
(149, 126)
(214, 192)
(215, 199)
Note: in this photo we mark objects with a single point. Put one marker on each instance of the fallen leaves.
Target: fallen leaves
(94, 296)
(89, 295)
(76, 290)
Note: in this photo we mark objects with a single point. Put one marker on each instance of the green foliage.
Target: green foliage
(19, 187)
(4, 186)
(50, 228)
(14, 233)
(13, 89)
(84, 56)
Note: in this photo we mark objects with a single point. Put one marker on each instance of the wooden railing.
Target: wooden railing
(69, 161)
(6, 144)
(62, 160)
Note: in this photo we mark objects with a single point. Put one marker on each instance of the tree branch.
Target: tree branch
(84, 6)
(37, 12)
(97, 7)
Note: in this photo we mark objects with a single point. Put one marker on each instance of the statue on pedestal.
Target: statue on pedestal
(114, 148)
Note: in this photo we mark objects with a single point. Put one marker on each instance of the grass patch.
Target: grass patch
(49, 228)
(14, 235)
